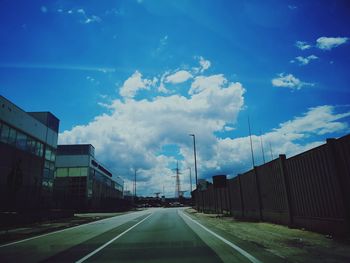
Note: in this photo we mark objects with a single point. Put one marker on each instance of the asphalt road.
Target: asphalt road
(155, 235)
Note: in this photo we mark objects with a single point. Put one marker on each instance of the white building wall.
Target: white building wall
(18, 118)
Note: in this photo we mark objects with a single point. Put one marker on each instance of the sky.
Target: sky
(134, 78)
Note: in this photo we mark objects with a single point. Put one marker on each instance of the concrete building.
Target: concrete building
(82, 183)
(28, 142)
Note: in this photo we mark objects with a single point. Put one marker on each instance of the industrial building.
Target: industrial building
(82, 183)
(28, 142)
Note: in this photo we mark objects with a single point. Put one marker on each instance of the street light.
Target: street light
(195, 157)
(190, 179)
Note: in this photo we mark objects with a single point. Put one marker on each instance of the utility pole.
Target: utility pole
(135, 170)
(251, 143)
(262, 147)
(177, 178)
(195, 158)
(271, 151)
(190, 179)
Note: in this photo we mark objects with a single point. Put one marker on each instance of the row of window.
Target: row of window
(83, 171)
(72, 172)
(21, 141)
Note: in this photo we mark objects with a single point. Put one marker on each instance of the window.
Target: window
(4, 133)
(31, 144)
(39, 149)
(12, 137)
(61, 172)
(74, 171)
(21, 141)
(53, 156)
(48, 153)
(78, 171)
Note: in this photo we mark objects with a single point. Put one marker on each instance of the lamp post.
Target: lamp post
(190, 179)
(195, 157)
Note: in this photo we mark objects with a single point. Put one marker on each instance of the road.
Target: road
(154, 235)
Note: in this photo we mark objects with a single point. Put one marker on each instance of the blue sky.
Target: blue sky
(135, 77)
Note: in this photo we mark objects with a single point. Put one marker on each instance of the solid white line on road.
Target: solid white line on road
(235, 247)
(110, 241)
(58, 231)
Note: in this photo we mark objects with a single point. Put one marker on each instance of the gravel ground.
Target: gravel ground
(292, 245)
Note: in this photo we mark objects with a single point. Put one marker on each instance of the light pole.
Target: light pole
(190, 179)
(195, 157)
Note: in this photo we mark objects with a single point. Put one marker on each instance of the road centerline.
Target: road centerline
(244, 253)
(111, 241)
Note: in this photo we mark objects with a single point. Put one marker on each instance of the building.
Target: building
(82, 183)
(28, 142)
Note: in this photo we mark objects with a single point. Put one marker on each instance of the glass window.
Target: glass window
(83, 171)
(48, 153)
(52, 166)
(21, 141)
(31, 144)
(53, 156)
(39, 149)
(4, 133)
(74, 171)
(47, 164)
(62, 172)
(12, 137)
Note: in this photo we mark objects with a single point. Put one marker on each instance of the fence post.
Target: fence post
(339, 173)
(282, 164)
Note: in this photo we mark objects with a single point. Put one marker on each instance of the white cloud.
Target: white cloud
(286, 139)
(135, 83)
(304, 60)
(178, 77)
(318, 120)
(292, 7)
(84, 17)
(289, 81)
(327, 43)
(205, 64)
(302, 45)
(134, 132)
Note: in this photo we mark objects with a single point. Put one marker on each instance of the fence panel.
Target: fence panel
(235, 197)
(315, 194)
(250, 195)
(273, 192)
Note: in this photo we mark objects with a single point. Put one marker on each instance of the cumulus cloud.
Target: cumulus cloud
(327, 43)
(302, 45)
(289, 81)
(135, 83)
(287, 139)
(304, 60)
(134, 133)
(178, 77)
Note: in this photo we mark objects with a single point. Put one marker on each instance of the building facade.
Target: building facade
(28, 142)
(82, 183)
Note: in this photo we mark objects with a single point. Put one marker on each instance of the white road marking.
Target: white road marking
(235, 247)
(110, 241)
(58, 231)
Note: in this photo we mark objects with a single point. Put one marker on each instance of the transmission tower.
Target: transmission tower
(177, 180)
